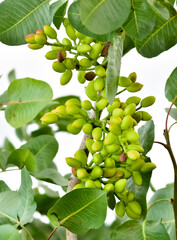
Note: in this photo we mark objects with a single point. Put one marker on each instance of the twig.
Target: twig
(52, 233)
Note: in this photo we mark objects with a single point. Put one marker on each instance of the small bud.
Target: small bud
(50, 32)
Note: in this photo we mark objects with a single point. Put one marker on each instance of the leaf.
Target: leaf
(45, 130)
(52, 176)
(22, 133)
(43, 148)
(173, 112)
(8, 145)
(9, 205)
(140, 191)
(146, 133)
(114, 63)
(8, 232)
(58, 10)
(21, 158)
(28, 205)
(12, 75)
(160, 9)
(132, 229)
(18, 18)
(3, 187)
(4, 154)
(162, 38)
(104, 16)
(141, 20)
(26, 97)
(171, 86)
(80, 210)
(75, 19)
(128, 44)
(163, 209)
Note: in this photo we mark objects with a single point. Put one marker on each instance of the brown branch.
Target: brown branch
(52, 233)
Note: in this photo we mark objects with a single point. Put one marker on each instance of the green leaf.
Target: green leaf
(160, 9)
(58, 10)
(3, 187)
(18, 18)
(114, 63)
(162, 38)
(8, 232)
(104, 16)
(10, 203)
(52, 176)
(134, 230)
(45, 130)
(163, 210)
(75, 210)
(128, 44)
(26, 98)
(140, 191)
(4, 154)
(21, 158)
(141, 20)
(171, 86)
(28, 205)
(75, 19)
(12, 75)
(22, 133)
(8, 145)
(43, 148)
(146, 133)
(173, 112)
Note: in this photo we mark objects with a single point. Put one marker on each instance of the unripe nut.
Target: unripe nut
(50, 32)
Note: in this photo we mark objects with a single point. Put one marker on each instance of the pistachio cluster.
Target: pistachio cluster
(113, 153)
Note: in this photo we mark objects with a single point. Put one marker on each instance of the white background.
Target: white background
(153, 73)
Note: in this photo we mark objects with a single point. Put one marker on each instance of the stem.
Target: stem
(163, 144)
(152, 187)
(159, 200)
(171, 126)
(138, 108)
(52, 233)
(26, 230)
(121, 91)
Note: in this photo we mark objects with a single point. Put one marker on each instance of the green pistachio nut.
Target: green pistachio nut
(58, 67)
(115, 104)
(50, 32)
(101, 104)
(146, 116)
(79, 35)
(118, 175)
(134, 87)
(51, 55)
(30, 38)
(137, 165)
(97, 172)
(115, 120)
(115, 129)
(130, 196)
(135, 147)
(130, 109)
(61, 55)
(35, 46)
(134, 99)
(72, 162)
(49, 118)
(86, 104)
(148, 101)
(65, 22)
(89, 76)
(81, 156)
(137, 178)
(67, 43)
(56, 48)
(126, 172)
(71, 129)
(66, 77)
(97, 146)
(123, 105)
(40, 39)
(100, 71)
(91, 92)
(60, 111)
(88, 40)
(124, 82)
(97, 158)
(72, 109)
(134, 210)
(73, 101)
(97, 184)
(131, 135)
(120, 209)
(118, 112)
(81, 77)
(109, 162)
(79, 185)
(85, 63)
(109, 187)
(74, 171)
(84, 48)
(87, 128)
(120, 185)
(133, 154)
(90, 184)
(133, 76)
(127, 122)
(112, 148)
(148, 167)
(109, 172)
(97, 133)
(96, 50)
(99, 84)
(79, 123)
(138, 116)
(82, 173)
(104, 151)
(89, 142)
(69, 63)
(110, 139)
(70, 32)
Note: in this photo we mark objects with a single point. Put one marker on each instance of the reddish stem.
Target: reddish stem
(52, 233)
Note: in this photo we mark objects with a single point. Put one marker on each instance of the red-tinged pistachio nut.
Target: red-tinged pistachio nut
(40, 31)
(74, 171)
(30, 38)
(40, 39)
(50, 32)
(61, 56)
(104, 52)
(123, 157)
(82, 173)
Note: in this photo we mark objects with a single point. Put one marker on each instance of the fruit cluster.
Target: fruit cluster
(112, 143)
